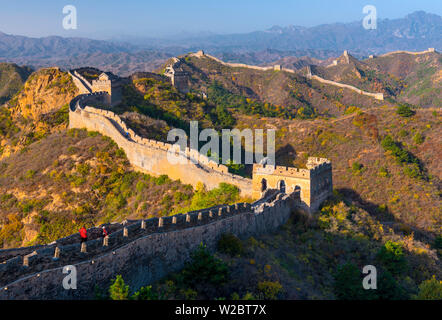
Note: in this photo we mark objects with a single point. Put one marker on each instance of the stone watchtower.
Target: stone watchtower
(110, 83)
(314, 183)
(178, 77)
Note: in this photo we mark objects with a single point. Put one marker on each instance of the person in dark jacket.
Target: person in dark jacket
(83, 234)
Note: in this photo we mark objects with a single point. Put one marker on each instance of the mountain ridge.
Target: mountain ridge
(415, 32)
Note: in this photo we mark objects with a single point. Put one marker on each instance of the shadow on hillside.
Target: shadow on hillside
(370, 207)
(383, 215)
(286, 155)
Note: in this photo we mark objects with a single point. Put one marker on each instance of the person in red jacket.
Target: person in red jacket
(104, 232)
(83, 234)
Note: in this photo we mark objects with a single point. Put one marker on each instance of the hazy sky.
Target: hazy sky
(107, 18)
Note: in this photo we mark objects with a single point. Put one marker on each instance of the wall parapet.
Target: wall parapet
(143, 153)
(38, 275)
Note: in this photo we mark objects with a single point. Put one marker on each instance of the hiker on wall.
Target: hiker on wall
(104, 232)
(83, 234)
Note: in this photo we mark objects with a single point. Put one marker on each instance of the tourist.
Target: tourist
(104, 233)
(83, 234)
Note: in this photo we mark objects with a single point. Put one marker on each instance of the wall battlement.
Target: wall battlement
(314, 183)
(149, 155)
(143, 251)
(152, 156)
(378, 96)
(106, 82)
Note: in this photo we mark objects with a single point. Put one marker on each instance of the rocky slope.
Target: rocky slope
(12, 78)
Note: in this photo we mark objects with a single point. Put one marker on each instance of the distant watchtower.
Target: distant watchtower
(314, 183)
(109, 83)
(178, 77)
(89, 80)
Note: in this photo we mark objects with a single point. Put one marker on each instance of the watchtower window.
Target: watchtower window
(263, 185)
(282, 186)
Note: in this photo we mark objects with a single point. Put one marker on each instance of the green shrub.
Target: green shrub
(83, 169)
(204, 268)
(224, 194)
(145, 293)
(438, 242)
(430, 290)
(120, 153)
(383, 172)
(141, 185)
(356, 168)
(348, 283)
(405, 111)
(412, 170)
(269, 290)
(392, 257)
(388, 288)
(29, 174)
(418, 138)
(411, 164)
(230, 244)
(93, 133)
(403, 133)
(163, 179)
(118, 289)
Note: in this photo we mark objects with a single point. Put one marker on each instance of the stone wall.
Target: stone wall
(150, 155)
(158, 246)
(81, 83)
(430, 50)
(378, 96)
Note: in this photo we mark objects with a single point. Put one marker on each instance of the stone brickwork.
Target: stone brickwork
(152, 157)
(106, 82)
(149, 155)
(178, 77)
(142, 251)
(314, 183)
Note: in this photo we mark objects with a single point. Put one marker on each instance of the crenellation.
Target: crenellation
(32, 259)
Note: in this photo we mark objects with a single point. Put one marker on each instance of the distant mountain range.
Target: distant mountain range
(417, 31)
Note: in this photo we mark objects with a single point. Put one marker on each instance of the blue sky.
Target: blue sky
(107, 18)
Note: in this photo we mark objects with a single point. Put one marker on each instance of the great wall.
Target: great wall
(152, 157)
(144, 251)
(429, 50)
(177, 76)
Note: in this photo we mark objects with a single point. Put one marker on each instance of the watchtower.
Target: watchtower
(178, 77)
(314, 183)
(110, 83)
